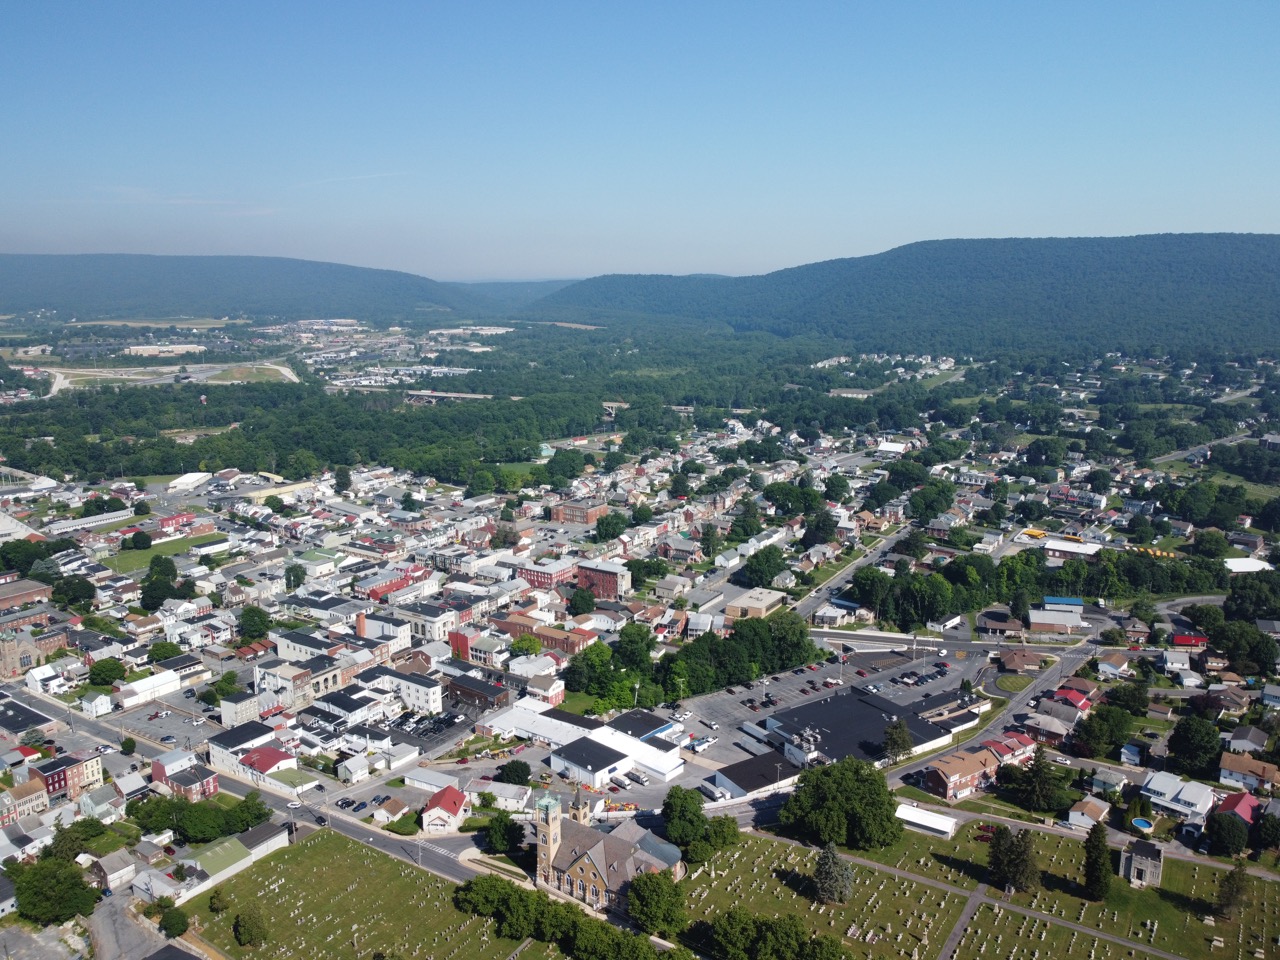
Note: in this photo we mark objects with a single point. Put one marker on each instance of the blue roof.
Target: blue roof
(1072, 600)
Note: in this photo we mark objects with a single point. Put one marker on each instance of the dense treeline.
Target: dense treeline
(1148, 293)
(624, 674)
(129, 285)
(971, 582)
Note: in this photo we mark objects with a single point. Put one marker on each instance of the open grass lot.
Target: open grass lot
(577, 702)
(129, 560)
(248, 374)
(331, 898)
(960, 862)
(885, 917)
(1169, 918)
(1013, 683)
(997, 934)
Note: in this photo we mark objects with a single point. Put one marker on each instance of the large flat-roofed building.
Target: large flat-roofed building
(759, 602)
(18, 593)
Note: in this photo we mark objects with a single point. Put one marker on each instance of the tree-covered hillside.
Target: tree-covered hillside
(126, 285)
(1145, 294)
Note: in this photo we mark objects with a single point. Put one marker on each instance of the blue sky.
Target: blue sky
(469, 141)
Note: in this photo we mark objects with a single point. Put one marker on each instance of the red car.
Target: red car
(755, 708)
(463, 760)
(813, 667)
(984, 838)
(612, 788)
(862, 673)
(986, 828)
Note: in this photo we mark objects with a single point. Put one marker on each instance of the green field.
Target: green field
(331, 898)
(960, 862)
(886, 916)
(130, 560)
(1012, 682)
(248, 374)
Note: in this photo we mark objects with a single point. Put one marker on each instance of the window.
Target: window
(24, 661)
(595, 892)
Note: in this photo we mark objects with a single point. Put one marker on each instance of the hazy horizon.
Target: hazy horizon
(467, 143)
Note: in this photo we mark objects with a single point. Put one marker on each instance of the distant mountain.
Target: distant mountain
(101, 286)
(513, 294)
(1146, 294)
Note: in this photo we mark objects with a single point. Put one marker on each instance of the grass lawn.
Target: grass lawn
(1012, 682)
(331, 897)
(248, 374)
(577, 702)
(101, 846)
(769, 877)
(961, 861)
(225, 800)
(129, 560)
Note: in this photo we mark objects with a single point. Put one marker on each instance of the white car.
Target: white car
(1062, 760)
(199, 721)
(295, 804)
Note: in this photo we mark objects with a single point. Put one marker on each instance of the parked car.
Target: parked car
(170, 738)
(463, 760)
(861, 673)
(359, 806)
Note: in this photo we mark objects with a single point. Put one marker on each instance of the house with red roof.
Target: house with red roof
(268, 760)
(1012, 747)
(1076, 699)
(1243, 805)
(445, 811)
(1194, 641)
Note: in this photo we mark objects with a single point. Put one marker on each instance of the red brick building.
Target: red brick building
(579, 511)
(606, 581)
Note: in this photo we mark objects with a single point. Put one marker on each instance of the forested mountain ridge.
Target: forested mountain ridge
(1145, 294)
(102, 286)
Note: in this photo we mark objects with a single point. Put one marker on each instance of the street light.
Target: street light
(635, 701)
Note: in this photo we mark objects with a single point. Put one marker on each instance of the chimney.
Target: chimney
(359, 624)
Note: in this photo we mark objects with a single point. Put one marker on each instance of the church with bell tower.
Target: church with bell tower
(595, 864)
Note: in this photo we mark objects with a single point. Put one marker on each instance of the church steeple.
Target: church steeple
(548, 837)
(580, 810)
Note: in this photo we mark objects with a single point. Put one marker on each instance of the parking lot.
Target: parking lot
(186, 722)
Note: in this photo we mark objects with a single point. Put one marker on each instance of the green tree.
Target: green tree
(254, 623)
(202, 822)
(836, 488)
(1023, 869)
(761, 567)
(163, 568)
(51, 891)
(295, 575)
(32, 737)
(683, 816)
(218, 902)
(128, 745)
(1097, 863)
(897, 741)
(1232, 889)
(174, 922)
(1040, 785)
(656, 904)
(141, 540)
(610, 527)
(341, 480)
(847, 802)
(141, 508)
(515, 772)
(833, 876)
(104, 672)
(641, 514)
(163, 650)
(273, 503)
(504, 834)
(250, 927)
(1228, 834)
(723, 832)
(1193, 745)
(999, 852)
(581, 601)
(1269, 831)
(526, 645)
